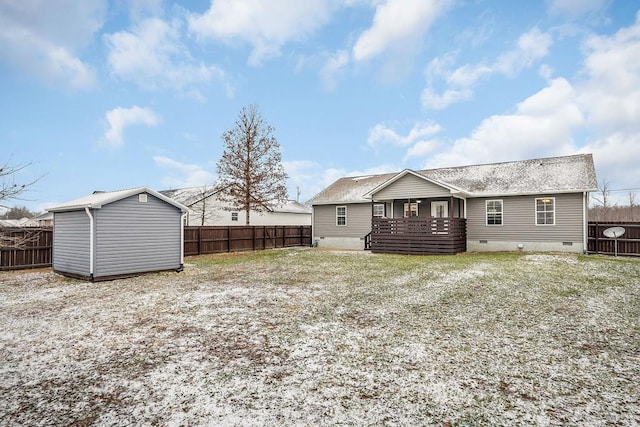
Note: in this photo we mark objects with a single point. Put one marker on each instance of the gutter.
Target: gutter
(585, 224)
(182, 218)
(91, 241)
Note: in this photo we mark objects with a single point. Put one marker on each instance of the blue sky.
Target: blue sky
(106, 95)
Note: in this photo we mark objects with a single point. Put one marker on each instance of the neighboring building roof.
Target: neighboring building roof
(192, 195)
(101, 198)
(536, 176)
(45, 216)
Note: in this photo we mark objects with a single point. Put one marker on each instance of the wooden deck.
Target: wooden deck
(418, 235)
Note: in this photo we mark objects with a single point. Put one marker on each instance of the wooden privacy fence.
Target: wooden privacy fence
(28, 247)
(628, 244)
(216, 239)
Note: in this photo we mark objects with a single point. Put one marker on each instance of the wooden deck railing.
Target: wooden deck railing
(418, 235)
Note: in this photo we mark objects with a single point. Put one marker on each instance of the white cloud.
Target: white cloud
(610, 97)
(542, 125)
(334, 65)
(530, 47)
(120, 117)
(188, 175)
(396, 23)
(153, 56)
(266, 26)
(602, 106)
(575, 8)
(382, 134)
(435, 101)
(611, 93)
(36, 38)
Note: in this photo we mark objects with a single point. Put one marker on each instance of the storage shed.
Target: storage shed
(114, 234)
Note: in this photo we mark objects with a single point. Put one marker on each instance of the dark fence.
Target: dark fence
(28, 247)
(628, 243)
(418, 235)
(217, 239)
(32, 247)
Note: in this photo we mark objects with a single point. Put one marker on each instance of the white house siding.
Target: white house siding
(351, 236)
(135, 237)
(71, 242)
(519, 225)
(411, 186)
(222, 217)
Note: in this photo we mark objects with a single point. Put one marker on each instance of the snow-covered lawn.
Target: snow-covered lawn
(312, 337)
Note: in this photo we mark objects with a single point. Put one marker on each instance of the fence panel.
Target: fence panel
(628, 244)
(200, 240)
(28, 247)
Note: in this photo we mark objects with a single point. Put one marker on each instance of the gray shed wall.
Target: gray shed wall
(519, 220)
(411, 186)
(135, 237)
(71, 243)
(358, 221)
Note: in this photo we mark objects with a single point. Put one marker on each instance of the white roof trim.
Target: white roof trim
(97, 200)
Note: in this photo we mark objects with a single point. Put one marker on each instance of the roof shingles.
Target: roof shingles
(536, 176)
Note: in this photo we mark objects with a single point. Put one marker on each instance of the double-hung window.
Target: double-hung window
(546, 211)
(378, 210)
(410, 210)
(494, 212)
(341, 215)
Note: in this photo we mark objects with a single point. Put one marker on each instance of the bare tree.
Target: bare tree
(632, 205)
(10, 190)
(250, 172)
(203, 207)
(603, 201)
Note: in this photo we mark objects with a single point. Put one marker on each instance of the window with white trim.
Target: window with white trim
(546, 211)
(410, 210)
(341, 215)
(234, 216)
(378, 210)
(494, 210)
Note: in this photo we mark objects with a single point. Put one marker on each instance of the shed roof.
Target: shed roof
(550, 175)
(100, 198)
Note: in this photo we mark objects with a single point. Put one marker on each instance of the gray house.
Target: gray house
(119, 233)
(536, 205)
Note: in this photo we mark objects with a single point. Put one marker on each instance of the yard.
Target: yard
(312, 337)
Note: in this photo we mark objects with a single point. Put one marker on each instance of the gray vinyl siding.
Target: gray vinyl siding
(358, 221)
(133, 237)
(71, 242)
(411, 186)
(519, 220)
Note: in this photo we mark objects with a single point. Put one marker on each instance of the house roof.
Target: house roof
(550, 175)
(101, 198)
(192, 195)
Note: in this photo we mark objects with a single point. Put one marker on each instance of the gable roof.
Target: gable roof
(191, 195)
(566, 174)
(100, 198)
(406, 172)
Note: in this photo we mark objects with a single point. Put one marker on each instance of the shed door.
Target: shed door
(440, 209)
